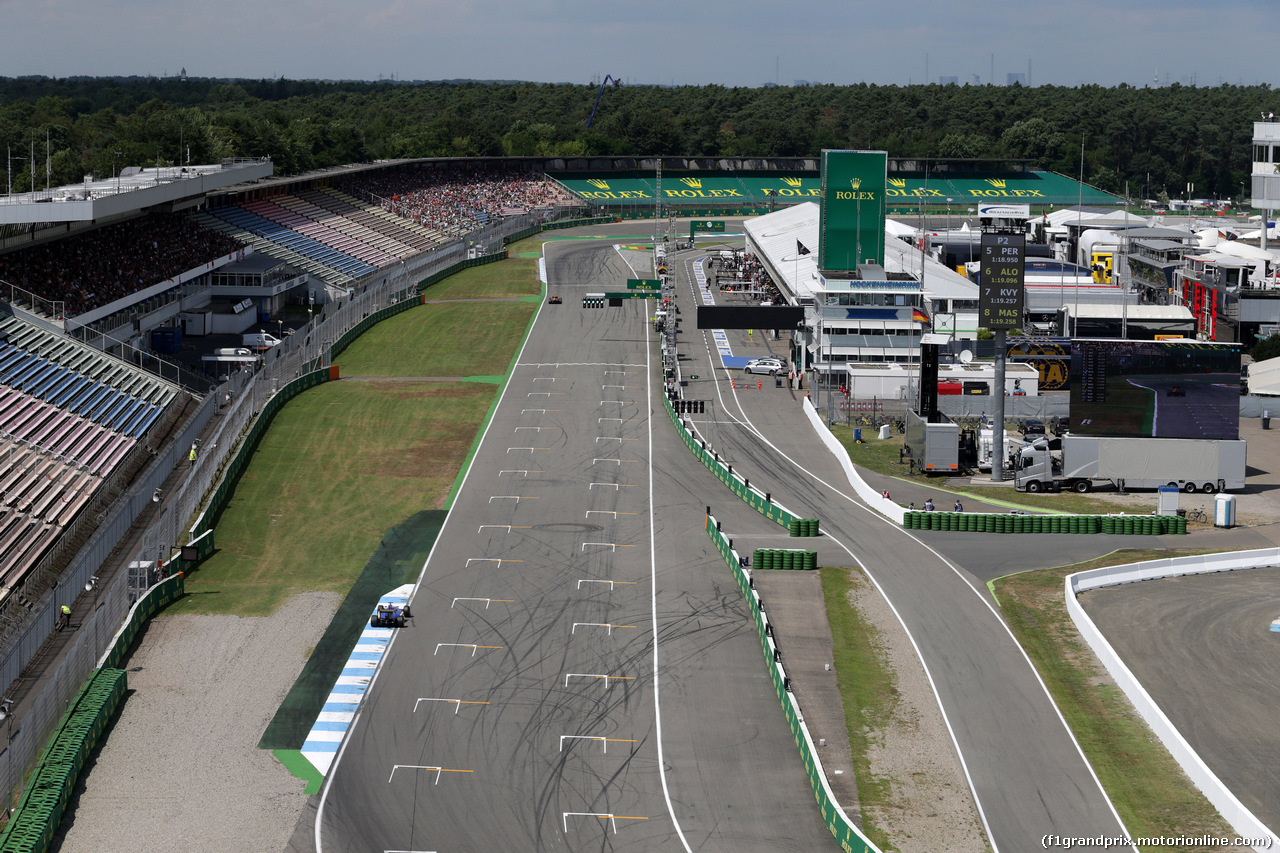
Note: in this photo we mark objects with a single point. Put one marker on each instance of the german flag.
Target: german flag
(919, 316)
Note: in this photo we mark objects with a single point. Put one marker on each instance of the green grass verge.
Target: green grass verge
(1148, 788)
(453, 339)
(882, 458)
(513, 277)
(868, 686)
(340, 465)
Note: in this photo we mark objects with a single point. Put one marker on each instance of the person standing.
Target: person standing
(65, 618)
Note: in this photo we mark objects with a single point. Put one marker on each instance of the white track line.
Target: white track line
(653, 606)
(746, 423)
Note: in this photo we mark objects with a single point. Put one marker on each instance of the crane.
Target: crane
(607, 79)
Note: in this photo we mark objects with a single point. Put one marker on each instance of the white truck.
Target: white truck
(259, 341)
(1189, 464)
(986, 449)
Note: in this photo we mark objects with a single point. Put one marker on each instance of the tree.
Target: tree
(1266, 348)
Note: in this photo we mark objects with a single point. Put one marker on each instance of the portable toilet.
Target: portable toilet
(1224, 511)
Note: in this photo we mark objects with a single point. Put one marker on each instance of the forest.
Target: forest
(1154, 139)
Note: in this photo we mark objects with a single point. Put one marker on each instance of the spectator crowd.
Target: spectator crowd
(93, 269)
(456, 200)
(738, 271)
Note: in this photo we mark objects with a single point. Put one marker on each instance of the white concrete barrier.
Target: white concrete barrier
(873, 498)
(1243, 821)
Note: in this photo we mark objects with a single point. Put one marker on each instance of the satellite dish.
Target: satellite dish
(965, 356)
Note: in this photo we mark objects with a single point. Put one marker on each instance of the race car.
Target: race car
(1177, 391)
(553, 300)
(389, 616)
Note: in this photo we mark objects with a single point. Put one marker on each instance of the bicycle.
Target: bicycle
(1197, 516)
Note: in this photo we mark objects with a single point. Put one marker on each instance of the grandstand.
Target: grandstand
(91, 274)
(69, 417)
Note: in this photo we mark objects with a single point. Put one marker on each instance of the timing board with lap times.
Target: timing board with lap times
(1000, 281)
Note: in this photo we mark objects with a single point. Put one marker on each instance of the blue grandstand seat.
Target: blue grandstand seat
(123, 417)
(300, 243)
(69, 393)
(16, 366)
(93, 396)
(106, 404)
(51, 384)
(145, 424)
(109, 416)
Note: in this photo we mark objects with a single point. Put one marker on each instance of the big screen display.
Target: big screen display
(1162, 389)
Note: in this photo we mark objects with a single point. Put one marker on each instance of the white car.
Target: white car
(771, 366)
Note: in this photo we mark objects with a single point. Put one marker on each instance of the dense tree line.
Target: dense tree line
(1152, 138)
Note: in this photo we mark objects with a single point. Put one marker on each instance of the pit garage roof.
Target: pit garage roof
(1264, 377)
(1134, 313)
(778, 237)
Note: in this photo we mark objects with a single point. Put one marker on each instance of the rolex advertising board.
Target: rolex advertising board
(852, 216)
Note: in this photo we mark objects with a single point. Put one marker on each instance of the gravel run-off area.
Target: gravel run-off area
(930, 804)
(180, 769)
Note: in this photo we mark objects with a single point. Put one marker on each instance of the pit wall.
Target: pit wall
(752, 496)
(1243, 821)
(838, 823)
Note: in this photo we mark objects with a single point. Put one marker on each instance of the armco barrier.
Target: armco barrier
(994, 522)
(1241, 819)
(33, 823)
(837, 822)
(441, 275)
(153, 601)
(754, 498)
(237, 464)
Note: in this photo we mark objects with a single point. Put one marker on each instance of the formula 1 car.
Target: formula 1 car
(553, 300)
(1177, 391)
(389, 616)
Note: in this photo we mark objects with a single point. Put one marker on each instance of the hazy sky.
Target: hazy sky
(740, 43)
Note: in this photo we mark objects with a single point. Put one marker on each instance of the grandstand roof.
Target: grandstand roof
(132, 190)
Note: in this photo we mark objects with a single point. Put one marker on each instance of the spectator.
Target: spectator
(928, 504)
(98, 267)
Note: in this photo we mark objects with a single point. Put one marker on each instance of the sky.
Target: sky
(740, 43)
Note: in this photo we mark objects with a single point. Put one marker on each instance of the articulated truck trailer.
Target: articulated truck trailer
(1189, 464)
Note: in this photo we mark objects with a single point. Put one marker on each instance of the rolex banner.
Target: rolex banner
(852, 218)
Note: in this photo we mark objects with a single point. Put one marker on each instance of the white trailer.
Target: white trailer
(1189, 464)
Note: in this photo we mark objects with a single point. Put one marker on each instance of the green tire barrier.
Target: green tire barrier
(838, 824)
(803, 527)
(753, 498)
(977, 522)
(769, 559)
(32, 826)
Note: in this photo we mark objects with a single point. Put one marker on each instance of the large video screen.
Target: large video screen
(1164, 389)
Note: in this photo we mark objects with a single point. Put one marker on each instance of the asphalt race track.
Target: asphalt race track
(580, 673)
(1201, 646)
(1027, 772)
